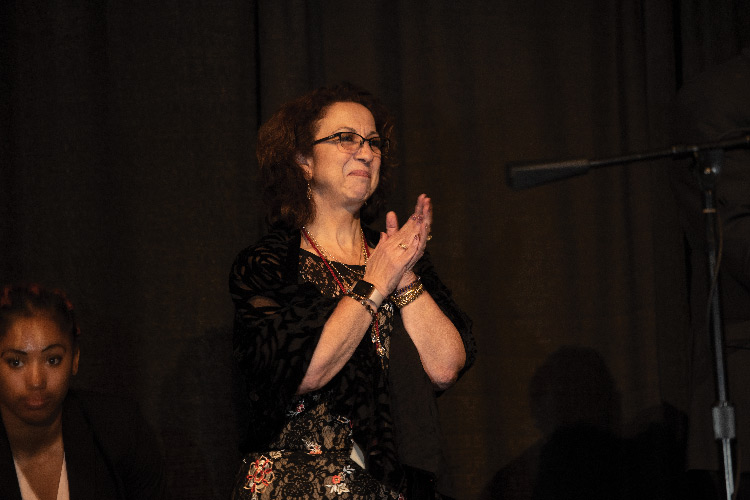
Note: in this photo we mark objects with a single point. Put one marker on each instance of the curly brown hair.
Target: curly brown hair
(289, 134)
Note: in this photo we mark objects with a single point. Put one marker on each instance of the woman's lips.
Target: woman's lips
(36, 403)
(360, 173)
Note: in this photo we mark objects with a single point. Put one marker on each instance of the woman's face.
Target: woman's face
(338, 178)
(37, 361)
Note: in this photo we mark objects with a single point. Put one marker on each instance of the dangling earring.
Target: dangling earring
(309, 192)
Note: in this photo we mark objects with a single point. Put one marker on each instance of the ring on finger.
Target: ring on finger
(402, 245)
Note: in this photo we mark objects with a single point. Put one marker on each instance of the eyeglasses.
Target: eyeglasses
(351, 142)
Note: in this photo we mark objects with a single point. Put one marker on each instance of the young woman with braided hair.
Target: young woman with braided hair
(56, 443)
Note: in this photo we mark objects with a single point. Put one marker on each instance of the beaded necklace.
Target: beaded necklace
(375, 334)
(319, 248)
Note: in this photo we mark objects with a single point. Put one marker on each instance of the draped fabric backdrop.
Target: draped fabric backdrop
(128, 178)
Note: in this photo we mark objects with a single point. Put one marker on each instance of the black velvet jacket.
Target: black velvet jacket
(278, 322)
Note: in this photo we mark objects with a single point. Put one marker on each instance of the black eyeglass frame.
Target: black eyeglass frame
(382, 150)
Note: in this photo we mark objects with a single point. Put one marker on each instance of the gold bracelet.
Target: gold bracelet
(408, 296)
(408, 287)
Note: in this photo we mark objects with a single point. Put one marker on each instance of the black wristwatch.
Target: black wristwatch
(365, 290)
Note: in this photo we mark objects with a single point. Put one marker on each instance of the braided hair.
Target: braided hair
(27, 301)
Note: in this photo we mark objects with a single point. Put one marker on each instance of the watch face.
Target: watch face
(363, 288)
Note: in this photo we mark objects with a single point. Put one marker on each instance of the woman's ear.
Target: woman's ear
(304, 163)
(76, 356)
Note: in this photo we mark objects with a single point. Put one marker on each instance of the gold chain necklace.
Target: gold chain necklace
(375, 335)
(365, 253)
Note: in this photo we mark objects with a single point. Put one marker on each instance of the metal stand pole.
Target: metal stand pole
(708, 165)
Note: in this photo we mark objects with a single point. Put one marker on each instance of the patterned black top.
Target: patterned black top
(282, 300)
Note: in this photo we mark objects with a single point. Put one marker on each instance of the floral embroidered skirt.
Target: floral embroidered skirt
(311, 459)
(299, 475)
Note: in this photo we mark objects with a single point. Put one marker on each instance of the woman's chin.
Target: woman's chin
(358, 197)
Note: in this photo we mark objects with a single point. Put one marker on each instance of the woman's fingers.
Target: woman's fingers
(428, 214)
(421, 199)
(391, 223)
(423, 217)
(426, 218)
(399, 249)
(417, 228)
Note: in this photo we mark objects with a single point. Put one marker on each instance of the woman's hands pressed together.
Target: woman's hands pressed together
(398, 250)
(389, 267)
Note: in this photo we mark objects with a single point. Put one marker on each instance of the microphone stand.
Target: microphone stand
(708, 159)
(709, 164)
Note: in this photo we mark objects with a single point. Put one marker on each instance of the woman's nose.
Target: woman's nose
(37, 377)
(365, 152)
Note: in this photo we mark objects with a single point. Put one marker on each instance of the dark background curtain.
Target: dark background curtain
(127, 177)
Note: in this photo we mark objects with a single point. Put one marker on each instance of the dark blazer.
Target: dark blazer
(110, 452)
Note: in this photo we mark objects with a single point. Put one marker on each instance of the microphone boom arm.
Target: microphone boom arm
(522, 175)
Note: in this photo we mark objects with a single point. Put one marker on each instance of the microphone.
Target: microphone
(522, 175)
